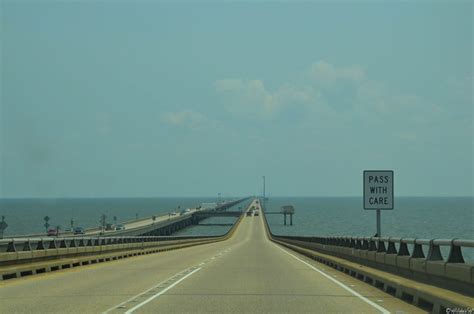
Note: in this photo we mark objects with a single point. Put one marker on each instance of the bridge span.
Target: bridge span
(246, 273)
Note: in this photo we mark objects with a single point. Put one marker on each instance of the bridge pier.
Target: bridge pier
(291, 219)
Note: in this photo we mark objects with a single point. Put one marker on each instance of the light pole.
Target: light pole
(46, 224)
(3, 226)
(102, 223)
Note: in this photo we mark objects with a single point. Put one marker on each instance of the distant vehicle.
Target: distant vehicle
(249, 213)
(173, 213)
(53, 232)
(79, 230)
(119, 227)
(109, 227)
(256, 213)
(187, 210)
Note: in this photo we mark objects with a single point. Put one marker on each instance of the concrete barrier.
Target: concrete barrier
(25, 257)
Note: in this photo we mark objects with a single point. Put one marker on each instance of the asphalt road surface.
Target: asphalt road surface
(245, 274)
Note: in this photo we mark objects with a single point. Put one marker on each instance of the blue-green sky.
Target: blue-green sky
(103, 98)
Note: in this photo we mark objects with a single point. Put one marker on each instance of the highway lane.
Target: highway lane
(246, 273)
(258, 276)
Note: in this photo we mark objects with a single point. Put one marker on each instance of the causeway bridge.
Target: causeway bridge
(246, 270)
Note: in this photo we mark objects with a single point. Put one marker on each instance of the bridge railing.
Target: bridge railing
(428, 249)
(421, 260)
(34, 244)
(418, 259)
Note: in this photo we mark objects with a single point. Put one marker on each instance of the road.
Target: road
(144, 222)
(245, 274)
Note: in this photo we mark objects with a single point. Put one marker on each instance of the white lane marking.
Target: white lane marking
(161, 292)
(378, 307)
(121, 305)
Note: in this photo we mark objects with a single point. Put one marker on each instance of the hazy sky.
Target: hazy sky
(101, 98)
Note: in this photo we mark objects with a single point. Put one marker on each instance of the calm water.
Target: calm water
(417, 217)
(211, 226)
(412, 217)
(25, 216)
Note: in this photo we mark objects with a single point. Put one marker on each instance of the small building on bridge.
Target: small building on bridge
(288, 210)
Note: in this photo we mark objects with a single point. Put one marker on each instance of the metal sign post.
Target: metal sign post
(378, 223)
(378, 192)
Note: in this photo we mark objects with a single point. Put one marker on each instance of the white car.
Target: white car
(119, 227)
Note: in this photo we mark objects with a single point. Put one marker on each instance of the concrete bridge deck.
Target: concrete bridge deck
(245, 274)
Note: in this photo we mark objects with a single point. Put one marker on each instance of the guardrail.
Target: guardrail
(22, 257)
(398, 246)
(34, 244)
(398, 266)
(395, 256)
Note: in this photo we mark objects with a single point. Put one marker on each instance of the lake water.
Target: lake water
(412, 217)
(25, 216)
(416, 217)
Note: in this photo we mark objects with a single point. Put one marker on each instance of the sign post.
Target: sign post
(378, 192)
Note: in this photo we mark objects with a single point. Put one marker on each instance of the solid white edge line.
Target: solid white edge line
(161, 292)
(378, 307)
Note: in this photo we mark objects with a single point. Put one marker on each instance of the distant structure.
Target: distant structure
(208, 205)
(288, 210)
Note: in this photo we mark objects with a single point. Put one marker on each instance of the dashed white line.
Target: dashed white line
(375, 305)
(161, 292)
(187, 272)
(122, 305)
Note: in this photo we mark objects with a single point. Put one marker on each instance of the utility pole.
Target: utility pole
(46, 224)
(3, 226)
(103, 219)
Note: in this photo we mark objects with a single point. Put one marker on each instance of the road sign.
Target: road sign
(378, 189)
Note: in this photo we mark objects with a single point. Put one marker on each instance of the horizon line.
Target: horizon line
(222, 197)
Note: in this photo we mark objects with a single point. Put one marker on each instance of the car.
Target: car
(256, 213)
(53, 232)
(119, 227)
(79, 230)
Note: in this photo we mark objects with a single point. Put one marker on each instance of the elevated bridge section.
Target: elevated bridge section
(249, 270)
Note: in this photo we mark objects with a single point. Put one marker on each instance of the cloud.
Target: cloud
(324, 89)
(241, 96)
(327, 74)
(184, 118)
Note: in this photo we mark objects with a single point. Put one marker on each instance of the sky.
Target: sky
(143, 99)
